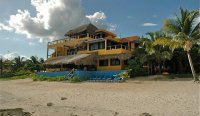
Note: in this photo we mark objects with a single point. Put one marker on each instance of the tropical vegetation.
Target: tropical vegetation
(174, 49)
(20, 66)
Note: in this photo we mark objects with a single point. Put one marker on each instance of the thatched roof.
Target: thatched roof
(89, 28)
(114, 56)
(105, 31)
(78, 59)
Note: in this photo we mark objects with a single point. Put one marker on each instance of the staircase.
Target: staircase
(70, 74)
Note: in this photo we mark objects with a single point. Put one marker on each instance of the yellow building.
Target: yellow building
(90, 48)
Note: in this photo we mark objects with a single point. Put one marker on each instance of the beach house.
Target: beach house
(89, 48)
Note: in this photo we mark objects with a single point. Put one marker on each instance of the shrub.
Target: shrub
(125, 75)
(136, 68)
(22, 72)
(45, 78)
(75, 79)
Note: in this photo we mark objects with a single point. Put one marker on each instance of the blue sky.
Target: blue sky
(26, 33)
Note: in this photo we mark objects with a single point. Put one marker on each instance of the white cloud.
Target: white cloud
(11, 56)
(53, 19)
(32, 44)
(154, 16)
(5, 27)
(2, 57)
(98, 19)
(149, 24)
(6, 38)
(112, 27)
(97, 16)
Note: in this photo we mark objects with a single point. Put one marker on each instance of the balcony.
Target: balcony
(114, 49)
(67, 42)
(117, 47)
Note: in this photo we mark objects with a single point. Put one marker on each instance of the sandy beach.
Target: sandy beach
(159, 98)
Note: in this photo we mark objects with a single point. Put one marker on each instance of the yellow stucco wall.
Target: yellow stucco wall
(59, 48)
(109, 67)
(132, 46)
(106, 52)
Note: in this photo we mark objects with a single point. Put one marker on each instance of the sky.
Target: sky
(27, 25)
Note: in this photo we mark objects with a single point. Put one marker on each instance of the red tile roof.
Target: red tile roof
(129, 39)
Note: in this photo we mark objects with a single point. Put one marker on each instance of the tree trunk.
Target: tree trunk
(1, 71)
(1, 67)
(180, 66)
(192, 67)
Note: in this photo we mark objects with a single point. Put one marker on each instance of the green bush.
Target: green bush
(22, 72)
(136, 68)
(125, 75)
(75, 79)
(45, 78)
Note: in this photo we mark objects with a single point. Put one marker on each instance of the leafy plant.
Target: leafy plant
(46, 78)
(75, 79)
(125, 75)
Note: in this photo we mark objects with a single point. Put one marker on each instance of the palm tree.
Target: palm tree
(38, 64)
(41, 60)
(185, 34)
(34, 59)
(18, 62)
(159, 53)
(1, 66)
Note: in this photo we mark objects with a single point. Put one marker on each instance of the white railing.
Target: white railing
(60, 41)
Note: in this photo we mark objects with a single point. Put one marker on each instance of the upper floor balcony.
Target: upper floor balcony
(114, 49)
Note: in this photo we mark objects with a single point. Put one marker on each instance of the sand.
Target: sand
(158, 98)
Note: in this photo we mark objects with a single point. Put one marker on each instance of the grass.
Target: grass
(57, 78)
(45, 78)
(34, 77)
(16, 77)
(75, 79)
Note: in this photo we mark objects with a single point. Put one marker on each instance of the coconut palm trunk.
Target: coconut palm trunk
(192, 67)
(1, 67)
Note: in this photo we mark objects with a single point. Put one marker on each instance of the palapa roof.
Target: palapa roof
(89, 28)
(105, 31)
(130, 39)
(78, 59)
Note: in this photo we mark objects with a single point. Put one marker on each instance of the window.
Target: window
(103, 62)
(125, 62)
(102, 45)
(115, 62)
(72, 52)
(96, 46)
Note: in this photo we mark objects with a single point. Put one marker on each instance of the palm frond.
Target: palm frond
(171, 26)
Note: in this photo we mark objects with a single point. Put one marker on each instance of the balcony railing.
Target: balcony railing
(117, 47)
(60, 41)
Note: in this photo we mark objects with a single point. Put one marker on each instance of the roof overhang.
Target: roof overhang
(78, 59)
(95, 40)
